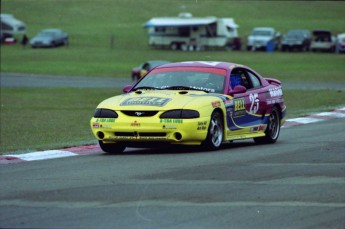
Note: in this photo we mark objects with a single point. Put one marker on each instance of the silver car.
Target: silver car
(263, 38)
(49, 38)
(323, 41)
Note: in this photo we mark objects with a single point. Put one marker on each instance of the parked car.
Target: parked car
(147, 66)
(7, 39)
(263, 38)
(297, 39)
(340, 43)
(323, 41)
(49, 38)
(191, 103)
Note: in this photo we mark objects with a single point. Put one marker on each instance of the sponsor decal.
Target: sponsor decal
(152, 138)
(228, 103)
(105, 120)
(169, 127)
(254, 106)
(171, 121)
(136, 138)
(106, 126)
(204, 89)
(257, 128)
(274, 101)
(239, 107)
(135, 123)
(202, 125)
(275, 92)
(210, 63)
(146, 101)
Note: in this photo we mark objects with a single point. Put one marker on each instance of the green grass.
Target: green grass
(92, 23)
(288, 67)
(305, 102)
(49, 118)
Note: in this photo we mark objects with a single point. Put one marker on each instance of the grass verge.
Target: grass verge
(47, 118)
(91, 24)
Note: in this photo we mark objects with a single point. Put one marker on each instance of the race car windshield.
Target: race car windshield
(185, 78)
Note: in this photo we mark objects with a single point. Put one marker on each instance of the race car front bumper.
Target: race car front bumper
(133, 129)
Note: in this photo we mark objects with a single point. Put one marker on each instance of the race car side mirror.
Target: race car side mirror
(127, 88)
(238, 90)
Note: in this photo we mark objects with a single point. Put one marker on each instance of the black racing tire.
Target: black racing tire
(112, 148)
(272, 130)
(215, 132)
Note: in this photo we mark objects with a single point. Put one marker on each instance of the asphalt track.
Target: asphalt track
(299, 182)
(30, 80)
(296, 183)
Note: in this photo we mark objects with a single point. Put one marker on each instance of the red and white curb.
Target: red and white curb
(92, 149)
(50, 154)
(338, 113)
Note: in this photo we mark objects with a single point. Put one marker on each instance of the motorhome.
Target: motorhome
(11, 25)
(186, 32)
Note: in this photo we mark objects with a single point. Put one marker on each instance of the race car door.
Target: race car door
(247, 114)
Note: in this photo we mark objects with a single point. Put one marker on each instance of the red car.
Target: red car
(141, 70)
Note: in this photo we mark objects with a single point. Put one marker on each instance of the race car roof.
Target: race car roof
(218, 64)
(187, 22)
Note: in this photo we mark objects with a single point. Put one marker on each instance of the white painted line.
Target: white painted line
(305, 120)
(331, 114)
(43, 155)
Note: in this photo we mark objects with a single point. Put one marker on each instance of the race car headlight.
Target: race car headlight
(180, 114)
(105, 113)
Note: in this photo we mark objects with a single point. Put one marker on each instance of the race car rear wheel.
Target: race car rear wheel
(272, 130)
(215, 132)
(112, 148)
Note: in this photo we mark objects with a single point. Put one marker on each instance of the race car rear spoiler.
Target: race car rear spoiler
(273, 81)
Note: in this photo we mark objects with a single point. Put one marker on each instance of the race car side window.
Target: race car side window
(240, 76)
(255, 81)
(235, 79)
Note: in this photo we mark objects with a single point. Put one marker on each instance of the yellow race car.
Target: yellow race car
(191, 103)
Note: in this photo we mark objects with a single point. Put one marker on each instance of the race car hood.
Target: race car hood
(155, 100)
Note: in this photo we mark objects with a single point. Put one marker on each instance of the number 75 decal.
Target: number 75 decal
(254, 100)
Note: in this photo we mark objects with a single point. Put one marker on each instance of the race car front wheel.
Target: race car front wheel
(272, 130)
(215, 132)
(112, 148)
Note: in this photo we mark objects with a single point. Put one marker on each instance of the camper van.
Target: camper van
(11, 26)
(186, 32)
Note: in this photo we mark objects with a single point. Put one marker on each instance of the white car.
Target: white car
(263, 38)
(323, 41)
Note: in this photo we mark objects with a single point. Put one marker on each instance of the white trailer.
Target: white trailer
(193, 33)
(11, 25)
